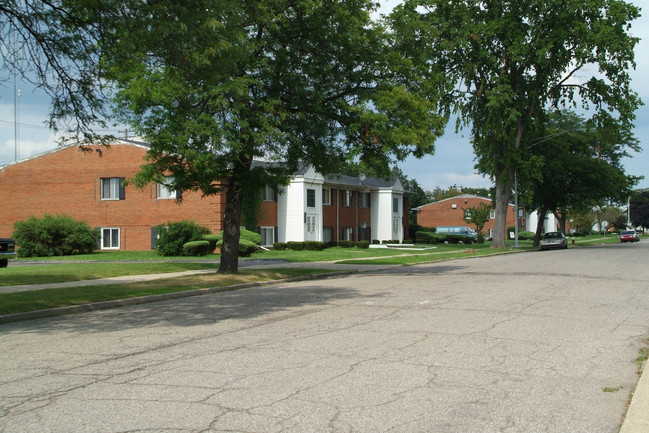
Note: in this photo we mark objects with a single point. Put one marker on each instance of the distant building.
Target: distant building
(451, 212)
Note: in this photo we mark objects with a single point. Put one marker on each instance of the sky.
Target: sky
(452, 164)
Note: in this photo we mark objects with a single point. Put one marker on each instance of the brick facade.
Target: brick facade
(67, 181)
(450, 212)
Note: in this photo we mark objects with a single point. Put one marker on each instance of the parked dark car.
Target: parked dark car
(629, 236)
(7, 251)
(554, 240)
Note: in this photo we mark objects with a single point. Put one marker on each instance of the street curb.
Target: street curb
(636, 419)
(104, 305)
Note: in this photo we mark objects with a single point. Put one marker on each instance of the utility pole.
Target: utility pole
(17, 92)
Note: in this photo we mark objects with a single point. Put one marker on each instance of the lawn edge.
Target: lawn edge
(117, 303)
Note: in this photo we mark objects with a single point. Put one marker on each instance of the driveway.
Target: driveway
(532, 342)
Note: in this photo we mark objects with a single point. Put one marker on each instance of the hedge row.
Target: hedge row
(318, 246)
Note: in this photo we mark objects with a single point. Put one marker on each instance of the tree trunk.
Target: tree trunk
(561, 217)
(503, 194)
(231, 229)
(539, 226)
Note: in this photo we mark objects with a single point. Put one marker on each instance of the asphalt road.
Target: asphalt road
(532, 342)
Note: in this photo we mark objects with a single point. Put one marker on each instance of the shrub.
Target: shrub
(197, 248)
(346, 244)
(363, 244)
(246, 247)
(251, 236)
(51, 235)
(526, 236)
(375, 241)
(428, 237)
(213, 240)
(172, 237)
(314, 245)
(296, 246)
(280, 245)
(407, 241)
(456, 239)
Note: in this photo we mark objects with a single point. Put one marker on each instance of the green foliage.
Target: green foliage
(510, 60)
(212, 239)
(478, 215)
(246, 247)
(314, 245)
(295, 246)
(429, 237)
(363, 244)
(280, 246)
(247, 235)
(640, 209)
(251, 210)
(52, 235)
(211, 88)
(526, 235)
(197, 248)
(174, 235)
(346, 244)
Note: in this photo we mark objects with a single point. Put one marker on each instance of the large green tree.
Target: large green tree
(512, 61)
(573, 168)
(213, 85)
(639, 211)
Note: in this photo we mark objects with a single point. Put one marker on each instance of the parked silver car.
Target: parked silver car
(554, 240)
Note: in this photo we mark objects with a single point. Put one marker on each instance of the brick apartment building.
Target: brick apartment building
(87, 185)
(451, 211)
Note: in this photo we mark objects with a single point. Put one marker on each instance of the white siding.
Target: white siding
(382, 215)
(292, 209)
(290, 212)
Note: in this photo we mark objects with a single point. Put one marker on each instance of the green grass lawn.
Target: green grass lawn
(52, 298)
(111, 264)
(56, 273)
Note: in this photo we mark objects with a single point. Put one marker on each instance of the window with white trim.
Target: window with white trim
(310, 197)
(492, 214)
(268, 194)
(110, 238)
(395, 205)
(165, 190)
(364, 199)
(267, 236)
(326, 196)
(348, 198)
(112, 188)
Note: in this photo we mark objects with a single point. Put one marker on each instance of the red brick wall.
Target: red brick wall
(67, 181)
(442, 213)
(268, 214)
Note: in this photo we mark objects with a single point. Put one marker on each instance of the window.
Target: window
(348, 199)
(326, 196)
(310, 198)
(467, 215)
(267, 235)
(364, 199)
(492, 214)
(109, 238)
(268, 194)
(112, 188)
(348, 233)
(395, 205)
(167, 192)
(327, 234)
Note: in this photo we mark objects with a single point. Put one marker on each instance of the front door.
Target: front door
(311, 227)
